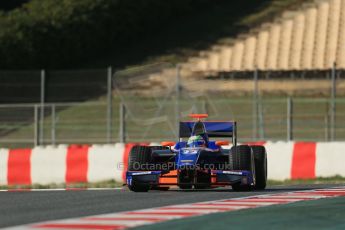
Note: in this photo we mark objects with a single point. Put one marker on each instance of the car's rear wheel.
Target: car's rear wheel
(139, 158)
(260, 157)
(242, 158)
(139, 187)
(160, 188)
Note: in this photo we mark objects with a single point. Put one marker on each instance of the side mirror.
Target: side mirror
(222, 143)
(167, 143)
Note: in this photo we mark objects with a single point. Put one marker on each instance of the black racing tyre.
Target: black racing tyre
(260, 158)
(139, 187)
(242, 158)
(160, 188)
(158, 147)
(139, 158)
(204, 178)
(184, 176)
(185, 186)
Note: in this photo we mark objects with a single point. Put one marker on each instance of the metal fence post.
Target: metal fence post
(41, 130)
(333, 98)
(109, 105)
(326, 128)
(122, 123)
(36, 126)
(177, 102)
(255, 106)
(53, 125)
(261, 125)
(289, 119)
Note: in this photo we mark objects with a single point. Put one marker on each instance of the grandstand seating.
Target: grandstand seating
(341, 47)
(308, 42)
(312, 37)
(297, 41)
(225, 57)
(261, 49)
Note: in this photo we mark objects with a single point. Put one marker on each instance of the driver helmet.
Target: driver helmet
(196, 141)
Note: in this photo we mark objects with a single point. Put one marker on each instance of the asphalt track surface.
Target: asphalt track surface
(18, 208)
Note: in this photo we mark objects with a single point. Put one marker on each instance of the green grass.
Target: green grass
(320, 180)
(101, 184)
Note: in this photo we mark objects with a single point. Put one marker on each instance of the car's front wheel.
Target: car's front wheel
(138, 160)
(185, 179)
(242, 158)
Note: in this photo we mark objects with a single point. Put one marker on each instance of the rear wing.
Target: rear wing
(213, 129)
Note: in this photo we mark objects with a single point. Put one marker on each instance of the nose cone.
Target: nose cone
(188, 157)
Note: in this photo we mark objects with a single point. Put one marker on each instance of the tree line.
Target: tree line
(59, 34)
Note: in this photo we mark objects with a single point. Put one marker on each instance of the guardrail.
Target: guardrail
(83, 163)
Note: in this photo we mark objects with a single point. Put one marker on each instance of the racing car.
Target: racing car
(198, 162)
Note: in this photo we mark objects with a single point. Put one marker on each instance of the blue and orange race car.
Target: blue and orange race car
(198, 162)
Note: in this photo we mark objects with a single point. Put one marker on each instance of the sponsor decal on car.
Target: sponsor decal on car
(141, 173)
(232, 172)
(190, 151)
(186, 161)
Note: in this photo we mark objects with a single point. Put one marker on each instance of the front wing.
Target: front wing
(159, 178)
